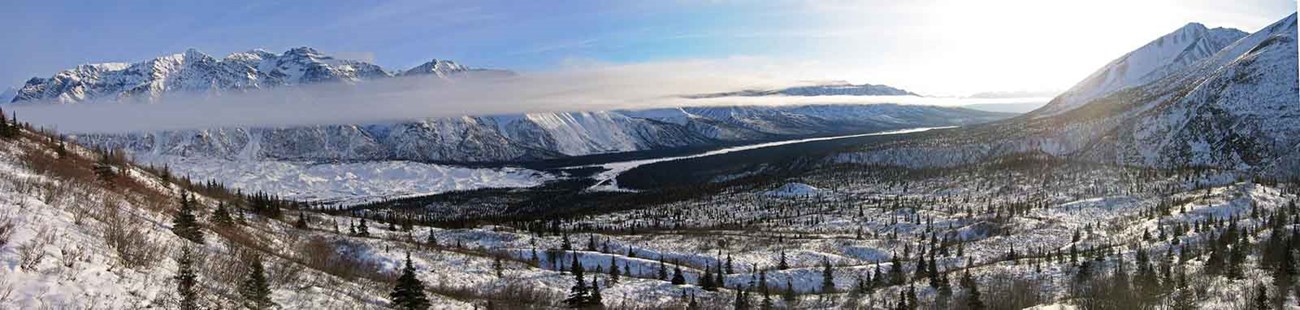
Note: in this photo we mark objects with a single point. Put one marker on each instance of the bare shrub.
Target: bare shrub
(72, 254)
(513, 294)
(282, 272)
(133, 246)
(32, 252)
(337, 258)
(7, 227)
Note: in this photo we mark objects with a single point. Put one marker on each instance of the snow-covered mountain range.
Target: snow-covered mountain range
(194, 71)
(1238, 107)
(836, 88)
(534, 136)
(467, 139)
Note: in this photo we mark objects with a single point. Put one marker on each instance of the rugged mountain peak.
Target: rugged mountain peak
(440, 68)
(1158, 59)
(194, 71)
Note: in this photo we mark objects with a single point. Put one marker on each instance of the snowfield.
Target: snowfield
(349, 183)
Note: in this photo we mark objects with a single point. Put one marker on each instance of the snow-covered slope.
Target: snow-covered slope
(1236, 108)
(193, 71)
(532, 136)
(1160, 58)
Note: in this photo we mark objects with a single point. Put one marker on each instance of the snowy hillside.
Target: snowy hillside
(195, 72)
(1160, 58)
(1235, 108)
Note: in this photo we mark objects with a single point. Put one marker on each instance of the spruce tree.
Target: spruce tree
(363, 229)
(408, 292)
(663, 269)
(185, 224)
(302, 221)
(896, 276)
(828, 277)
(579, 295)
(742, 302)
(782, 265)
(706, 280)
(255, 290)
(614, 273)
(221, 217)
(186, 280)
(498, 268)
(596, 300)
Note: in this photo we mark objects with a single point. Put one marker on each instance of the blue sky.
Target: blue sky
(933, 46)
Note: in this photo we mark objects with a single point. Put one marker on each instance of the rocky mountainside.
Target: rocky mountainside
(1158, 59)
(533, 136)
(193, 71)
(1236, 108)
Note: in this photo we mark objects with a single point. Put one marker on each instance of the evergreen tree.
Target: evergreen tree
(614, 273)
(1261, 299)
(221, 217)
(782, 265)
(663, 270)
(828, 277)
(408, 293)
(498, 268)
(363, 229)
(255, 290)
(579, 295)
(186, 280)
(679, 279)
(185, 224)
(596, 300)
(911, 297)
(706, 280)
(742, 302)
(896, 276)
(729, 270)
(302, 221)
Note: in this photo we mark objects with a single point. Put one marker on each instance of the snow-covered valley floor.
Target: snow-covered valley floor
(348, 183)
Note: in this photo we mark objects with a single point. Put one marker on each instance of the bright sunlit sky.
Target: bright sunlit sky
(935, 47)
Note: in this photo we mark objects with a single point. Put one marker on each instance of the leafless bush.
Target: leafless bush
(7, 228)
(283, 272)
(72, 254)
(32, 252)
(54, 193)
(514, 294)
(336, 258)
(133, 246)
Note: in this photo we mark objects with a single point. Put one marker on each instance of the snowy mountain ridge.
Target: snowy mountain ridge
(534, 136)
(1160, 58)
(1234, 109)
(195, 72)
(836, 88)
